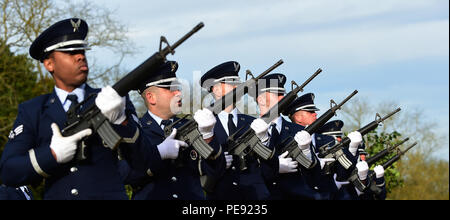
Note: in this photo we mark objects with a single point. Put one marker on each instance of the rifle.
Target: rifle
(336, 150)
(189, 132)
(92, 116)
(398, 156)
(361, 186)
(248, 142)
(383, 153)
(292, 147)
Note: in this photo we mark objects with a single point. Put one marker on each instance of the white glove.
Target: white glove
(303, 139)
(206, 122)
(355, 141)
(260, 127)
(170, 147)
(323, 161)
(111, 105)
(379, 171)
(228, 159)
(363, 169)
(286, 164)
(65, 147)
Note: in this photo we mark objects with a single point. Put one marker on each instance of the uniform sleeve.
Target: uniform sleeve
(138, 150)
(215, 166)
(24, 162)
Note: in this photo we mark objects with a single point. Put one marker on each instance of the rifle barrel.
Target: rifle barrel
(168, 49)
(390, 114)
(383, 153)
(133, 79)
(397, 157)
(346, 99)
(309, 80)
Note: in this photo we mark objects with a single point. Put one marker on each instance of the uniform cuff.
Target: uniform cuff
(42, 161)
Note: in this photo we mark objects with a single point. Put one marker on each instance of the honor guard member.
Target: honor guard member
(12, 193)
(283, 177)
(306, 117)
(235, 184)
(334, 129)
(175, 179)
(302, 111)
(36, 149)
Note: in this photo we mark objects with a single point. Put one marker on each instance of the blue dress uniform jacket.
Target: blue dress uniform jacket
(235, 184)
(321, 182)
(287, 185)
(27, 157)
(171, 181)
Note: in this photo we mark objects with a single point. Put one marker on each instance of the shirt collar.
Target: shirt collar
(224, 115)
(223, 118)
(156, 118)
(279, 122)
(79, 92)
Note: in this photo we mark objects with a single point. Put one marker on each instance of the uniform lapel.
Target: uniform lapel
(148, 123)
(287, 132)
(91, 101)
(242, 122)
(55, 111)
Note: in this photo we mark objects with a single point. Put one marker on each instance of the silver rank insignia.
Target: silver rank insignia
(281, 78)
(75, 25)
(194, 155)
(14, 133)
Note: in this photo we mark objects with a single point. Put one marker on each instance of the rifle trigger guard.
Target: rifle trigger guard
(164, 40)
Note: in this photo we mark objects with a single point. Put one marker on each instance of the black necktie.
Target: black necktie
(74, 99)
(166, 123)
(274, 136)
(231, 126)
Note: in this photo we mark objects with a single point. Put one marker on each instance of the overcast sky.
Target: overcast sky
(390, 50)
